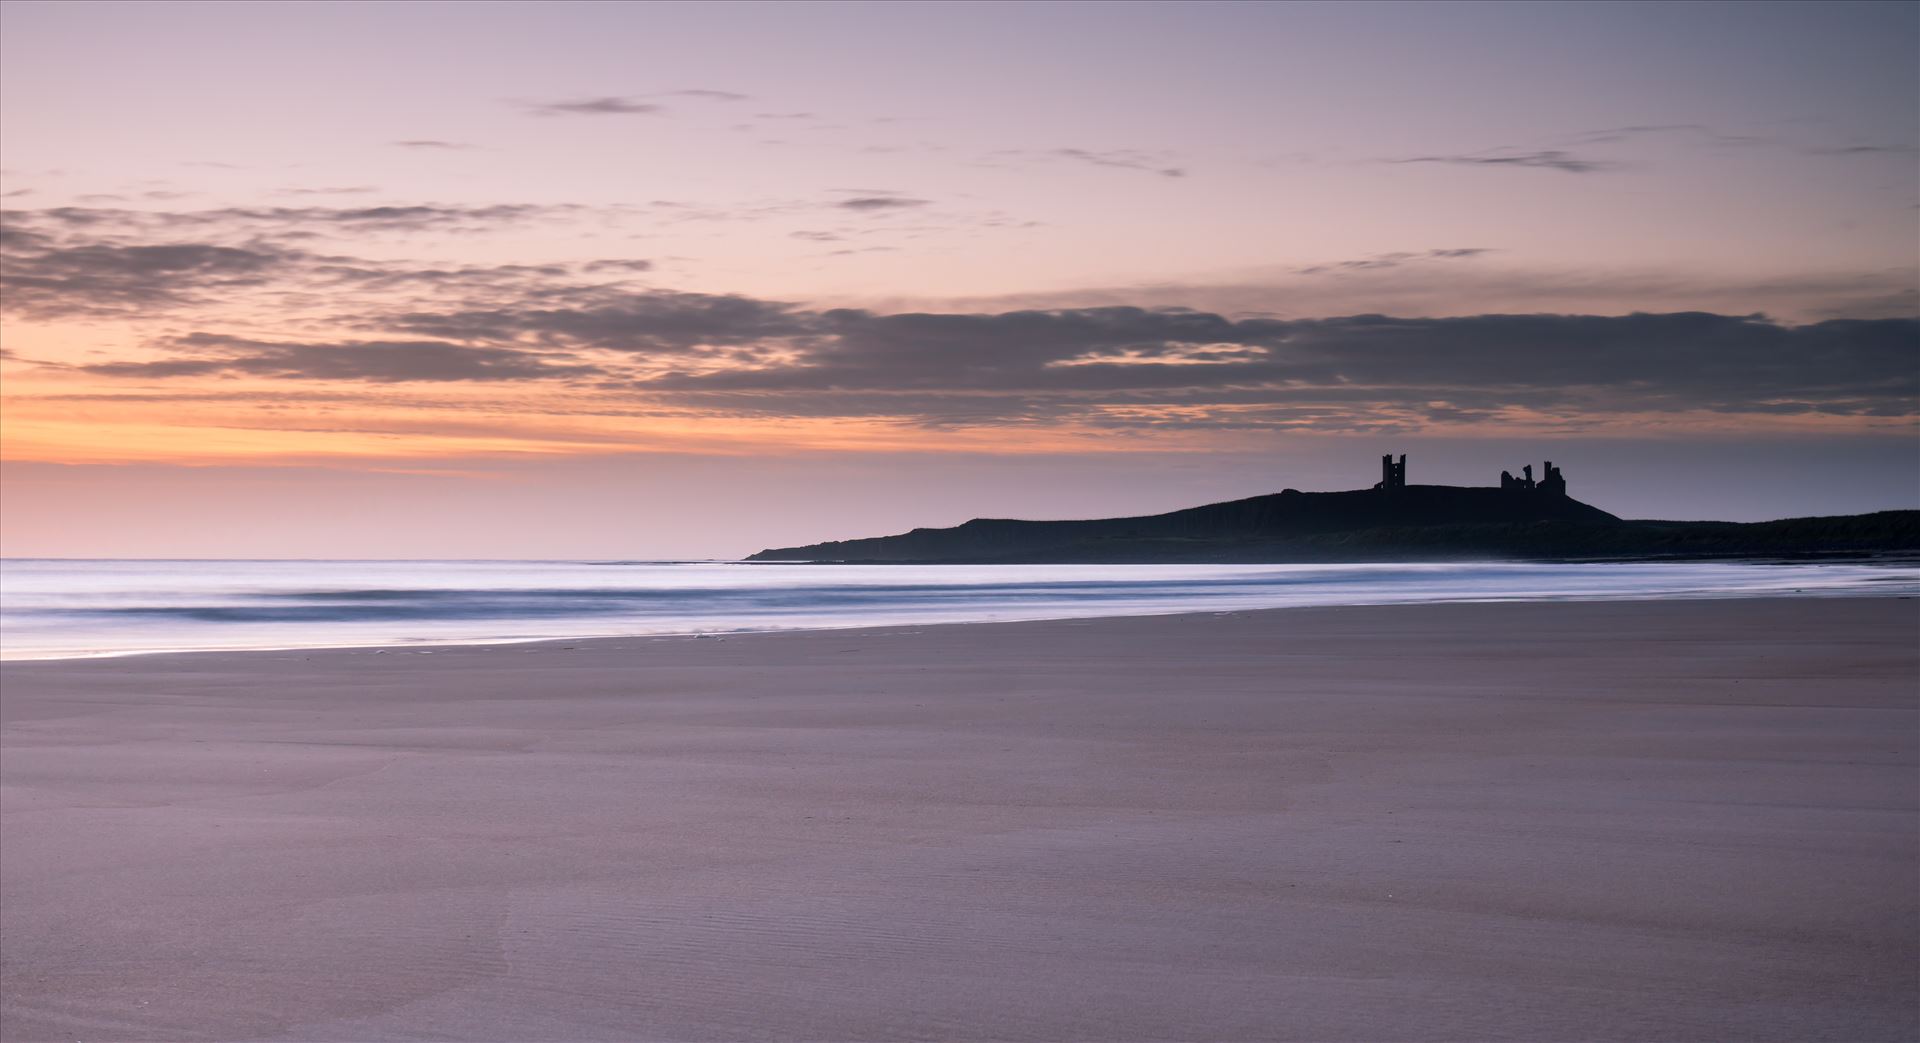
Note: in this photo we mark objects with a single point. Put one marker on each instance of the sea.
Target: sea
(68, 608)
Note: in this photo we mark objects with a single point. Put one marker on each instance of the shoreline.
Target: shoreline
(1625, 820)
(430, 645)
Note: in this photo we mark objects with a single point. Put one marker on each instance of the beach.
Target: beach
(1616, 820)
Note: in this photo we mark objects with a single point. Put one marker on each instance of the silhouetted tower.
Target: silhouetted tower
(1552, 484)
(1393, 476)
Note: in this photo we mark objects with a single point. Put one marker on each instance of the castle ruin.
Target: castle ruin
(1550, 483)
(1393, 478)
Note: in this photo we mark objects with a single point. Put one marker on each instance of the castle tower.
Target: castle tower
(1393, 476)
(1553, 484)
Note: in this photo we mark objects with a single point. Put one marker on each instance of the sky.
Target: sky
(687, 280)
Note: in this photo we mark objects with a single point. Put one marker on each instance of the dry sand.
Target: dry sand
(1693, 820)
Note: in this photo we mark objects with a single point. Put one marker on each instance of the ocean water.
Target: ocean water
(64, 608)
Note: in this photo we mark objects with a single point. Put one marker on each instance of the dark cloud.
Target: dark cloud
(1093, 359)
(364, 274)
(1479, 286)
(1119, 364)
(91, 261)
(380, 362)
(593, 107)
(618, 265)
(658, 322)
(709, 95)
(43, 279)
(1546, 159)
(874, 203)
(15, 235)
(1111, 366)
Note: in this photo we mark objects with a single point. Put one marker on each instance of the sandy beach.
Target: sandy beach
(1601, 821)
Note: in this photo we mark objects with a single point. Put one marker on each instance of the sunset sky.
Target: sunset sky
(605, 280)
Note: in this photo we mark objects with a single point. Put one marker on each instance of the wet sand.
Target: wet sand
(1614, 821)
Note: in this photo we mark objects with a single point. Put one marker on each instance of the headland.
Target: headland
(1522, 518)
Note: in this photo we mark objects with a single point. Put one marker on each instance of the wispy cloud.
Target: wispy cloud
(1702, 134)
(434, 143)
(344, 190)
(1161, 163)
(1124, 159)
(1698, 132)
(1393, 260)
(618, 264)
(709, 95)
(1864, 150)
(609, 106)
(399, 217)
(1545, 159)
(867, 204)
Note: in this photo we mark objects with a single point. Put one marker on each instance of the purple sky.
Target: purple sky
(602, 279)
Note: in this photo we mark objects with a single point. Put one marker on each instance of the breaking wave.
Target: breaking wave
(62, 608)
